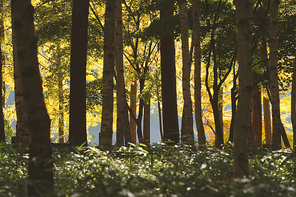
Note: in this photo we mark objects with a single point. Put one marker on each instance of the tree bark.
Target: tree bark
(123, 128)
(61, 109)
(267, 122)
(273, 74)
(233, 105)
(133, 105)
(108, 71)
(2, 84)
(293, 104)
(147, 124)
(77, 124)
(244, 15)
(2, 132)
(256, 117)
(168, 78)
(220, 109)
(187, 118)
(23, 133)
(25, 50)
(160, 120)
(197, 73)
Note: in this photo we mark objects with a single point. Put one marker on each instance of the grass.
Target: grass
(160, 171)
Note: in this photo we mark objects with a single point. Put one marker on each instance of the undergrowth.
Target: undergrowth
(159, 171)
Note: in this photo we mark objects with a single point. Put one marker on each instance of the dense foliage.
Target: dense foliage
(160, 171)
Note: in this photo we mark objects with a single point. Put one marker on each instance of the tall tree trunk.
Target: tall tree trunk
(244, 15)
(220, 108)
(23, 133)
(233, 105)
(187, 119)
(133, 105)
(61, 108)
(197, 73)
(147, 124)
(168, 78)
(160, 120)
(140, 115)
(274, 87)
(219, 140)
(257, 117)
(61, 97)
(108, 71)
(123, 128)
(2, 132)
(293, 104)
(284, 136)
(267, 122)
(2, 63)
(77, 124)
(25, 46)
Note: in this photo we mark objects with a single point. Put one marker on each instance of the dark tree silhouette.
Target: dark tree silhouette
(77, 125)
(25, 50)
(168, 76)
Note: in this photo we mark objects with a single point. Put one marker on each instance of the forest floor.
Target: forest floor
(159, 171)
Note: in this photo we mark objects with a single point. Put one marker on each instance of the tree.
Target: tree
(77, 127)
(2, 62)
(187, 118)
(221, 34)
(2, 132)
(197, 72)
(25, 47)
(293, 104)
(168, 75)
(256, 117)
(244, 12)
(133, 106)
(147, 123)
(108, 72)
(123, 127)
(273, 74)
(267, 122)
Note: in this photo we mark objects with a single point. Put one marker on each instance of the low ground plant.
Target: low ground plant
(160, 171)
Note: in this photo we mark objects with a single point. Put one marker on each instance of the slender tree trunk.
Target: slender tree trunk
(220, 109)
(140, 115)
(257, 117)
(2, 132)
(197, 73)
(244, 15)
(168, 78)
(147, 124)
(108, 71)
(233, 105)
(2, 63)
(123, 128)
(160, 120)
(61, 109)
(2, 37)
(274, 87)
(61, 97)
(284, 136)
(77, 125)
(133, 105)
(293, 104)
(219, 140)
(40, 157)
(187, 119)
(267, 122)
